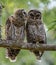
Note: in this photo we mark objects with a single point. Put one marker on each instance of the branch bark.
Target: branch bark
(27, 46)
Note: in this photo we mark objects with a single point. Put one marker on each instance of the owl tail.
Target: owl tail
(38, 54)
(12, 53)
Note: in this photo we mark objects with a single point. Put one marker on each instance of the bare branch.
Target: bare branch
(27, 46)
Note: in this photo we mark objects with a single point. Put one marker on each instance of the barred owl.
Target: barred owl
(15, 30)
(35, 31)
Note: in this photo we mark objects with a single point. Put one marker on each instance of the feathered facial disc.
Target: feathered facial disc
(34, 14)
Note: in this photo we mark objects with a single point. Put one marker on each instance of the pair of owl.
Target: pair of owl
(35, 32)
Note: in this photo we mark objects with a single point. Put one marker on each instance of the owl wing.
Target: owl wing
(22, 32)
(42, 34)
(8, 29)
(10, 34)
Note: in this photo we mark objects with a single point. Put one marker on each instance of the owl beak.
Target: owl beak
(25, 18)
(34, 18)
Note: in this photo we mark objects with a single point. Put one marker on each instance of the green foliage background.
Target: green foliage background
(49, 18)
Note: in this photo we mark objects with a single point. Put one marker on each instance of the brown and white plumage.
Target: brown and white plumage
(15, 30)
(35, 30)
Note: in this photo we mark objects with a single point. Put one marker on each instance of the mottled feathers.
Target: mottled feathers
(35, 30)
(15, 30)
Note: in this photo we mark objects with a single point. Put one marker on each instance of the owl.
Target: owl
(15, 30)
(35, 31)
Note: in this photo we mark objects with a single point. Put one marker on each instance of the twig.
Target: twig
(27, 46)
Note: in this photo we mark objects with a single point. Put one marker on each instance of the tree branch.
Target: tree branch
(28, 46)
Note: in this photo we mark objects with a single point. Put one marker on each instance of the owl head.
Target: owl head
(34, 14)
(20, 14)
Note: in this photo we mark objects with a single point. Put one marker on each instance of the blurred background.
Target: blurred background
(48, 9)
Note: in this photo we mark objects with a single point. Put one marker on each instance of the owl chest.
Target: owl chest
(17, 32)
(33, 30)
(36, 33)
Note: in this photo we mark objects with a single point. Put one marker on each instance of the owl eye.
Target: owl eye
(38, 16)
(32, 16)
(24, 12)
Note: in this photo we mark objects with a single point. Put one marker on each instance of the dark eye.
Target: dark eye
(31, 15)
(38, 16)
(24, 12)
